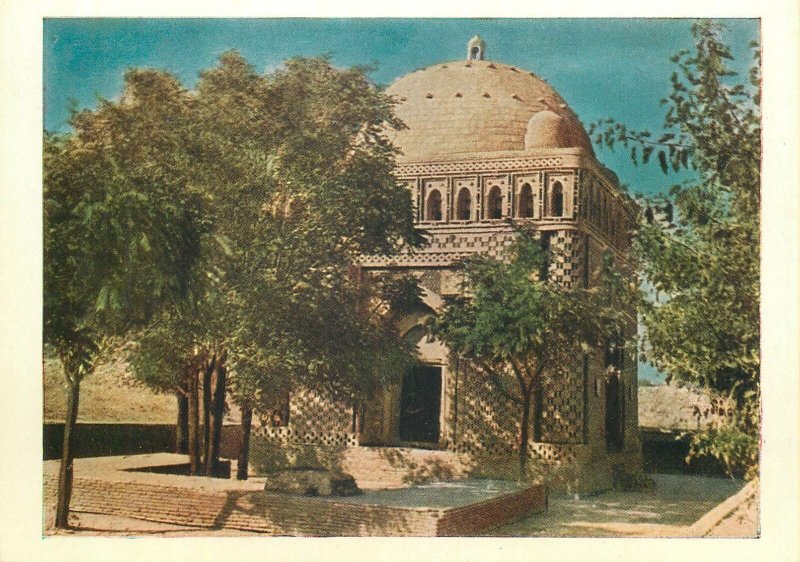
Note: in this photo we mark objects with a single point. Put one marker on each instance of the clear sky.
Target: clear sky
(603, 67)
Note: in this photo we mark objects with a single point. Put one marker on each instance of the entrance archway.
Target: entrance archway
(420, 404)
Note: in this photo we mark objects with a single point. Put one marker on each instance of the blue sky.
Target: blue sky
(603, 67)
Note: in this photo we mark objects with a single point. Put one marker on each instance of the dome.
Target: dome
(548, 129)
(477, 106)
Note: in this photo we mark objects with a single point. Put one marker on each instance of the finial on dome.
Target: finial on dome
(476, 48)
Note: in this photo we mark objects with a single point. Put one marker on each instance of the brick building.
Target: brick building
(490, 148)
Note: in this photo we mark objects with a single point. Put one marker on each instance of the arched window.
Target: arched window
(557, 200)
(464, 205)
(495, 206)
(433, 210)
(525, 208)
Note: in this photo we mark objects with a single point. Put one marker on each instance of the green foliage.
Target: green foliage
(121, 233)
(516, 329)
(164, 353)
(297, 180)
(402, 294)
(509, 317)
(703, 262)
(734, 443)
(313, 192)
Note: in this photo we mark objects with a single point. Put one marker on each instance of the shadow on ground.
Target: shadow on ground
(676, 502)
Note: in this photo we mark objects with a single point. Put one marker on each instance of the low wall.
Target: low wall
(272, 514)
(110, 439)
(473, 519)
(279, 514)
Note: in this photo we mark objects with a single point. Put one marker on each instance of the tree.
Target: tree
(121, 233)
(309, 190)
(514, 328)
(698, 245)
(300, 180)
(168, 357)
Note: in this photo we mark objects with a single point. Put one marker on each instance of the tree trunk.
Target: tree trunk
(67, 455)
(182, 424)
(215, 419)
(538, 408)
(209, 369)
(194, 424)
(244, 452)
(523, 435)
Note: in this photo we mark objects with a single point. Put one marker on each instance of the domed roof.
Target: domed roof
(474, 106)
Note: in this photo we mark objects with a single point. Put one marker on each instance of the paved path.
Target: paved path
(676, 502)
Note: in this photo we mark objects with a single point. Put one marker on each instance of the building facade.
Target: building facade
(490, 149)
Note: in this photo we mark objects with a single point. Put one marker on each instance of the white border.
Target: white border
(20, 243)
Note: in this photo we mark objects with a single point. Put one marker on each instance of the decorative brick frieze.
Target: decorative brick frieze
(409, 169)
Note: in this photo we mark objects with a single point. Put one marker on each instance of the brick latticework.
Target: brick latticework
(482, 421)
(562, 418)
(314, 419)
(485, 422)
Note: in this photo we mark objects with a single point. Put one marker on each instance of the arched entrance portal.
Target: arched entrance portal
(420, 404)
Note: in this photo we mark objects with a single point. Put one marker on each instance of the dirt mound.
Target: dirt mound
(109, 394)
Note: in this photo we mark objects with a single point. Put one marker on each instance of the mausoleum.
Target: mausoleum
(490, 149)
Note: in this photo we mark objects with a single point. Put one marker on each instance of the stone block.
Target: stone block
(311, 482)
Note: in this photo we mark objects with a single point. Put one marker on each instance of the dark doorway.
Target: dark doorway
(420, 404)
(615, 420)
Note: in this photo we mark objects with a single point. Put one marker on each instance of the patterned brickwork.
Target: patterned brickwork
(565, 258)
(449, 244)
(432, 280)
(562, 415)
(613, 214)
(314, 419)
(580, 262)
(486, 423)
(595, 215)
